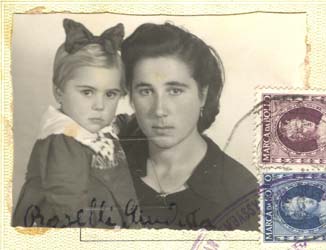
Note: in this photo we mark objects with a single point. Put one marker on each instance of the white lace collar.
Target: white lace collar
(56, 122)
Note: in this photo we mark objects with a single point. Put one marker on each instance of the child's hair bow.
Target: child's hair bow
(78, 36)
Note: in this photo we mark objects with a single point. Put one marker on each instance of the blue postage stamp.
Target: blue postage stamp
(294, 206)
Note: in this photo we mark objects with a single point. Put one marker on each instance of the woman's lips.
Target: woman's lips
(162, 128)
(96, 120)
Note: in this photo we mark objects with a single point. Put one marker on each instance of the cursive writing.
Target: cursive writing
(102, 215)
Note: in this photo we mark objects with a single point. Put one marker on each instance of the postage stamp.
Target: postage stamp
(294, 206)
(293, 128)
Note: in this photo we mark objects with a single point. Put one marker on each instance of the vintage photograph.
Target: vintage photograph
(144, 121)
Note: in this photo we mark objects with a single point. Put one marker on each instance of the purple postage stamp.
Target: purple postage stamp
(293, 129)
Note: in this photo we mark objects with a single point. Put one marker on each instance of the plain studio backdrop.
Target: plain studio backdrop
(262, 49)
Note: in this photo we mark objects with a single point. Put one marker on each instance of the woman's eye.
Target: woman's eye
(145, 92)
(87, 92)
(111, 94)
(175, 91)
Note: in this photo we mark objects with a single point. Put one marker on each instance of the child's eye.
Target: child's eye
(112, 94)
(145, 92)
(175, 91)
(87, 92)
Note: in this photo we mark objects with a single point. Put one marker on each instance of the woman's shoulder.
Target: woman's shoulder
(233, 186)
(231, 167)
(234, 178)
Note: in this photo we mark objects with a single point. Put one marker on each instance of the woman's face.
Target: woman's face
(166, 100)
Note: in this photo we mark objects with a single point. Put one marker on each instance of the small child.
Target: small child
(77, 174)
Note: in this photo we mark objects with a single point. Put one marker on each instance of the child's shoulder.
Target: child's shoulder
(58, 129)
(58, 141)
(58, 154)
(58, 148)
(54, 122)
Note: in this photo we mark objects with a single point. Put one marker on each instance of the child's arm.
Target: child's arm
(63, 173)
(127, 124)
(65, 177)
(129, 130)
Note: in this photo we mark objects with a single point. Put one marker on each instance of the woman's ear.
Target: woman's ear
(204, 96)
(57, 92)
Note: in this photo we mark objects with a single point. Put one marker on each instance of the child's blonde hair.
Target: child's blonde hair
(92, 55)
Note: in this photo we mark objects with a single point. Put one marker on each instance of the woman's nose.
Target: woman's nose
(98, 103)
(159, 106)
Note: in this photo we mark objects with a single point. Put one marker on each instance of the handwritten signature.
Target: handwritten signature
(97, 216)
(101, 214)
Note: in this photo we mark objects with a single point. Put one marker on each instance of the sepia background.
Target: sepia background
(256, 49)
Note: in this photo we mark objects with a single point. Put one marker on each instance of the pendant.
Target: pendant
(163, 195)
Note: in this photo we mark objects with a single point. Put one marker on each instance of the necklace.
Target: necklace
(162, 193)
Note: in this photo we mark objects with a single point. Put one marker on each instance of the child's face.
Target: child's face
(90, 96)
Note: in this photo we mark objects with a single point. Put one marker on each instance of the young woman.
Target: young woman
(182, 178)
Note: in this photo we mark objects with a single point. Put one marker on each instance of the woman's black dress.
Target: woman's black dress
(221, 194)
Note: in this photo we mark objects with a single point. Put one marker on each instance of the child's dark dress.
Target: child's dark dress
(75, 178)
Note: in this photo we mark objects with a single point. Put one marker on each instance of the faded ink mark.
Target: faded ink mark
(243, 118)
(71, 130)
(36, 10)
(34, 231)
(206, 244)
(299, 245)
(307, 68)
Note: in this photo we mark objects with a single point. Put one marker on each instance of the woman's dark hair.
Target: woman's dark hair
(153, 40)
